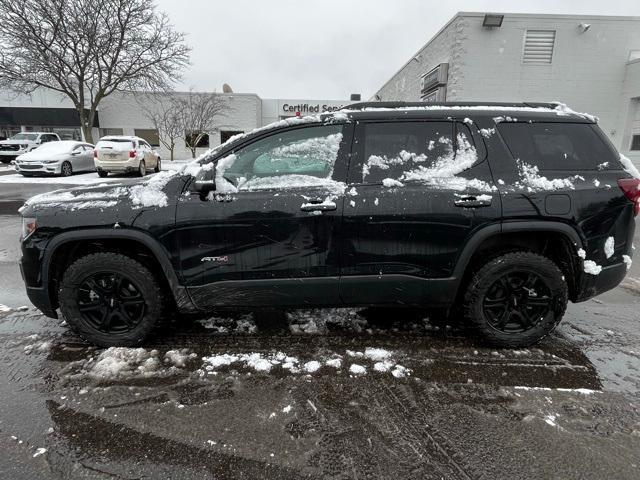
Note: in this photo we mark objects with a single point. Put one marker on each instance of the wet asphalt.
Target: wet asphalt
(567, 408)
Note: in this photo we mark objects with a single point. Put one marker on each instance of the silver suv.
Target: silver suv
(124, 154)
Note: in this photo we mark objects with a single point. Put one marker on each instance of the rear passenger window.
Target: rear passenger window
(391, 149)
(557, 146)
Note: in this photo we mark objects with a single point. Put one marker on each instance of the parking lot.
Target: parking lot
(316, 394)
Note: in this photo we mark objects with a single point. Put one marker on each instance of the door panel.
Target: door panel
(411, 231)
(244, 248)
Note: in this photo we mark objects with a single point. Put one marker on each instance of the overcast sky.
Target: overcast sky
(327, 49)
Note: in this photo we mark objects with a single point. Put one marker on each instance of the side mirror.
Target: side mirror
(203, 187)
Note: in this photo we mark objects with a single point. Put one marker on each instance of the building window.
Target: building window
(538, 46)
(226, 135)
(104, 132)
(150, 135)
(192, 137)
(635, 142)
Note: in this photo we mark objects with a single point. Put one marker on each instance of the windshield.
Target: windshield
(25, 136)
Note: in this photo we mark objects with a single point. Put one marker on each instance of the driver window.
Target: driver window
(286, 158)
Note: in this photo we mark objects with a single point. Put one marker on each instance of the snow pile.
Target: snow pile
(531, 179)
(260, 362)
(122, 362)
(391, 182)
(356, 369)
(245, 325)
(179, 358)
(591, 267)
(150, 193)
(629, 167)
(609, 247)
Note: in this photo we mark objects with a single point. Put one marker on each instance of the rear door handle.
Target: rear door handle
(318, 205)
(472, 201)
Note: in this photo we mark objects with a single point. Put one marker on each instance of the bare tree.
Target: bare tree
(164, 112)
(88, 49)
(199, 112)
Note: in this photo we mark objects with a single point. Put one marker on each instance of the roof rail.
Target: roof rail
(401, 105)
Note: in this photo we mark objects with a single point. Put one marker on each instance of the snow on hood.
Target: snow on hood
(147, 193)
(46, 151)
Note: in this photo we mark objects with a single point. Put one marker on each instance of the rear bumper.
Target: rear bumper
(123, 167)
(608, 279)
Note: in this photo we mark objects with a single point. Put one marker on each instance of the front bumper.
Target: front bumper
(39, 296)
(42, 168)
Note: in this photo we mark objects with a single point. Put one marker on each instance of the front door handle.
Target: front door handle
(318, 205)
(473, 201)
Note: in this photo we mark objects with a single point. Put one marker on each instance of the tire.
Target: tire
(102, 174)
(110, 299)
(5, 160)
(515, 300)
(158, 166)
(66, 170)
(142, 169)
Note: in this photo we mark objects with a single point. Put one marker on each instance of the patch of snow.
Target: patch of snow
(119, 362)
(603, 165)
(563, 110)
(609, 247)
(400, 372)
(533, 181)
(582, 254)
(551, 420)
(628, 165)
(596, 182)
(179, 358)
(352, 203)
(391, 182)
(4, 308)
(287, 409)
(39, 451)
(352, 192)
(334, 362)
(312, 366)
(376, 202)
(357, 369)
(468, 121)
(591, 267)
(487, 132)
(377, 354)
(383, 366)
(627, 260)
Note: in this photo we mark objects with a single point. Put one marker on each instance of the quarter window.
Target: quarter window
(290, 158)
(557, 146)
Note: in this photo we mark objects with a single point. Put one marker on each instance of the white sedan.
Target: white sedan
(57, 158)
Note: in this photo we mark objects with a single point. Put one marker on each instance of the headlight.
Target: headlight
(28, 227)
(51, 161)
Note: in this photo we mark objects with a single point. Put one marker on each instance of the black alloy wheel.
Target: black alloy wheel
(516, 299)
(517, 302)
(110, 302)
(111, 299)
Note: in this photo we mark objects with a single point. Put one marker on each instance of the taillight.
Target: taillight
(631, 189)
(132, 154)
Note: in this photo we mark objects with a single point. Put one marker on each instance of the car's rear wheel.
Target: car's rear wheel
(142, 169)
(102, 174)
(66, 170)
(516, 300)
(158, 166)
(110, 299)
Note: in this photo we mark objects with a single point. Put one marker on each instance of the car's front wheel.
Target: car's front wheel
(110, 299)
(66, 170)
(515, 300)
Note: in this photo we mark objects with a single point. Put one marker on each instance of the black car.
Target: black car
(498, 213)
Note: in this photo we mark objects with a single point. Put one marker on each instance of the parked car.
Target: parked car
(123, 154)
(499, 214)
(24, 142)
(57, 158)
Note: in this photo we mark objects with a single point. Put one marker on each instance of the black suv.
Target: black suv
(499, 213)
